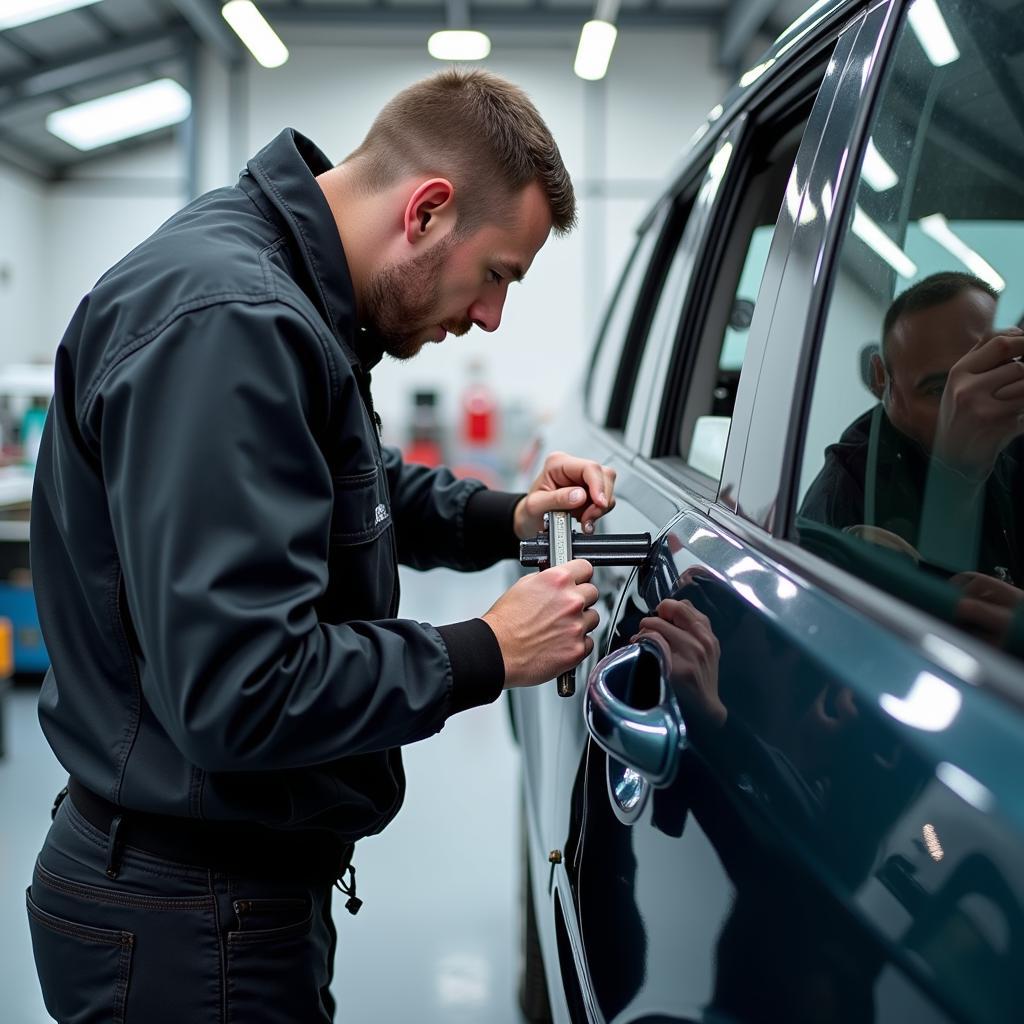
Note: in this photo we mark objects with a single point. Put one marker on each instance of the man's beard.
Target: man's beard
(402, 302)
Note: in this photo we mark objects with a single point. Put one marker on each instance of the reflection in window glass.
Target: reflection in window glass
(913, 456)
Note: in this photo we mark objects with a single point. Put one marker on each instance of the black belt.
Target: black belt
(235, 848)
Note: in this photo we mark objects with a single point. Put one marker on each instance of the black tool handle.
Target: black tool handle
(607, 549)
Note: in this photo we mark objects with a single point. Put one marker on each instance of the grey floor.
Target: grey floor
(436, 938)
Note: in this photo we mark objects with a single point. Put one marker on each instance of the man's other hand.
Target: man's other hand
(543, 621)
(580, 486)
(982, 408)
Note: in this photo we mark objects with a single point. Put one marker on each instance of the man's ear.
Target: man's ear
(430, 208)
(879, 377)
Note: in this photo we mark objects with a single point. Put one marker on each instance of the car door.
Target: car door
(643, 885)
(831, 833)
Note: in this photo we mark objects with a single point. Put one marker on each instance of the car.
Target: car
(795, 381)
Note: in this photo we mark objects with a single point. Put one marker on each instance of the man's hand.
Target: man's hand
(584, 487)
(691, 650)
(982, 404)
(542, 623)
(988, 605)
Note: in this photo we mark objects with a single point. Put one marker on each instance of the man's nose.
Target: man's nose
(486, 313)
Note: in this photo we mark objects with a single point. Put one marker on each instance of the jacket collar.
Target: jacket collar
(285, 170)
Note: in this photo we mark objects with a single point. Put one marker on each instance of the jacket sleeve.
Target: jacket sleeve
(443, 521)
(221, 500)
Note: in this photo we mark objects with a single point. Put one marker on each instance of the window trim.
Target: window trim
(821, 297)
(679, 210)
(801, 85)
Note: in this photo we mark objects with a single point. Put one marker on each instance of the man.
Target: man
(934, 469)
(215, 535)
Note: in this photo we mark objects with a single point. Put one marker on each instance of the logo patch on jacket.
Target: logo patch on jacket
(380, 513)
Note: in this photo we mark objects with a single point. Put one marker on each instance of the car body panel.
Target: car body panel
(850, 845)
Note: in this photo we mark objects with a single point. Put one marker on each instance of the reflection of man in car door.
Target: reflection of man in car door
(937, 464)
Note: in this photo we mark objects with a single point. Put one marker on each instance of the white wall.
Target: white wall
(92, 219)
(23, 274)
(618, 138)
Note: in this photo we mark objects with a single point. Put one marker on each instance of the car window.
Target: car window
(664, 298)
(614, 331)
(913, 460)
(712, 353)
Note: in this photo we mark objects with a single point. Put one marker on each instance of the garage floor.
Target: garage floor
(436, 938)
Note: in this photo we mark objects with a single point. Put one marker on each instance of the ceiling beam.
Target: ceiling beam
(85, 66)
(205, 20)
(743, 20)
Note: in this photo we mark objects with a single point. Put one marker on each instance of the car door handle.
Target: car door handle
(647, 738)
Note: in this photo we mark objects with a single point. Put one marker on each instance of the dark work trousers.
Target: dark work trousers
(166, 942)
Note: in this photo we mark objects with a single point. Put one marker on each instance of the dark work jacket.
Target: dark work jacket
(877, 476)
(216, 529)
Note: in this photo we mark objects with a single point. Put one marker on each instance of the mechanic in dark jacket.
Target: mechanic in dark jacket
(216, 531)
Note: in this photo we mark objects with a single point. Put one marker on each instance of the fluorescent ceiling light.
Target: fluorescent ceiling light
(932, 32)
(254, 30)
(937, 227)
(21, 12)
(597, 40)
(876, 172)
(874, 237)
(121, 115)
(458, 44)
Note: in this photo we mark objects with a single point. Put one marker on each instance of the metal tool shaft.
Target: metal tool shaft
(560, 551)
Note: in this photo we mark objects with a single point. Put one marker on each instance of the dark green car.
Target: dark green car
(810, 382)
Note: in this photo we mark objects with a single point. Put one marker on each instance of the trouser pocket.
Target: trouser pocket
(84, 970)
(277, 957)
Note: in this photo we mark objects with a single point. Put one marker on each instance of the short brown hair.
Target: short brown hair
(477, 129)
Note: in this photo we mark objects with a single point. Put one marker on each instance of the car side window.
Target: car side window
(699, 414)
(913, 459)
(615, 329)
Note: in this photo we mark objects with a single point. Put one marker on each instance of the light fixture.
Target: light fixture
(932, 32)
(255, 31)
(458, 41)
(875, 238)
(21, 12)
(876, 172)
(121, 115)
(597, 40)
(458, 44)
(937, 228)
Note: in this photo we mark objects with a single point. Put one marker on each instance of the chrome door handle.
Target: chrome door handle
(647, 740)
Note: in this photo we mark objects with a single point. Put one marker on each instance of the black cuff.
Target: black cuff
(488, 526)
(478, 669)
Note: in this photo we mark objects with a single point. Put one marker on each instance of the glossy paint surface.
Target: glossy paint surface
(849, 845)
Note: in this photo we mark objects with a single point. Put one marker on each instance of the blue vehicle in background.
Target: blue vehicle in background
(808, 379)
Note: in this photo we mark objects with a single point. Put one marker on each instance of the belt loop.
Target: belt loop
(57, 801)
(113, 858)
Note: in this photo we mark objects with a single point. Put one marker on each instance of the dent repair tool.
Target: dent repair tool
(562, 544)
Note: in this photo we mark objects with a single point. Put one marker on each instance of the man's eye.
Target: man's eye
(493, 276)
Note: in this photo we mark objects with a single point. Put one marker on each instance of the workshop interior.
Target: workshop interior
(781, 782)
